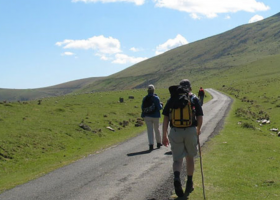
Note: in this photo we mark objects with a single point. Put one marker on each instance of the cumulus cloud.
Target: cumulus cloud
(227, 17)
(212, 8)
(256, 18)
(137, 2)
(135, 49)
(103, 56)
(99, 43)
(170, 44)
(67, 53)
(124, 59)
(194, 16)
(105, 48)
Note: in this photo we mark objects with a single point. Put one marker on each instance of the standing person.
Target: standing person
(183, 140)
(151, 107)
(201, 95)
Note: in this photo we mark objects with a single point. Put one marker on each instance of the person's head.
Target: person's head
(200, 87)
(186, 84)
(151, 88)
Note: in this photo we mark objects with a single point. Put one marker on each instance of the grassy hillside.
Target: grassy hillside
(56, 90)
(204, 58)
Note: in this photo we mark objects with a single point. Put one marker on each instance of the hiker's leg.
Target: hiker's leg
(177, 165)
(157, 131)
(201, 100)
(191, 147)
(150, 132)
(190, 165)
(190, 171)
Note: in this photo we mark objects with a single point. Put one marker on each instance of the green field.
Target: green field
(35, 139)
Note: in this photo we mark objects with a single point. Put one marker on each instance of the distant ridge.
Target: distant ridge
(56, 90)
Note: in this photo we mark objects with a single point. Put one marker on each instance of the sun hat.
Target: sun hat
(151, 87)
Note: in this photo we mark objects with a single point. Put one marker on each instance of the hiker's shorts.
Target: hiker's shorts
(183, 142)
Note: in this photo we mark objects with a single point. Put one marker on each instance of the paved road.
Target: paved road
(123, 172)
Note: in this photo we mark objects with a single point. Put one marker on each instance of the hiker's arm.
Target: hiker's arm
(165, 124)
(158, 104)
(199, 124)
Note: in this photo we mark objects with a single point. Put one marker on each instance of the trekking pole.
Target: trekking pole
(199, 148)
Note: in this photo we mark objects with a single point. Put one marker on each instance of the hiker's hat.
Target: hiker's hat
(151, 87)
(185, 83)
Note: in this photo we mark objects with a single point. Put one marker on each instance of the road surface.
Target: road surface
(127, 171)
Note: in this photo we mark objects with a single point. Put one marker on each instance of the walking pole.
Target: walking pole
(199, 148)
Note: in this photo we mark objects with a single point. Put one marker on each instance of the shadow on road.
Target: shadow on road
(168, 153)
(139, 153)
(177, 198)
(182, 198)
(146, 152)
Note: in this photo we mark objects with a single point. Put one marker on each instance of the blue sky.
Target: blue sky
(48, 42)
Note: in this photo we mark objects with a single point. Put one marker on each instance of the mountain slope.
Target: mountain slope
(197, 61)
(241, 45)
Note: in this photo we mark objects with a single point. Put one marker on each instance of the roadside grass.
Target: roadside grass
(240, 163)
(243, 161)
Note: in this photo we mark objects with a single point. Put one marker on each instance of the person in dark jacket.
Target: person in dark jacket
(152, 119)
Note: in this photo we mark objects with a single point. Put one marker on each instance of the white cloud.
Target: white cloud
(137, 2)
(227, 17)
(256, 18)
(194, 16)
(124, 59)
(135, 49)
(170, 44)
(106, 49)
(99, 43)
(67, 53)
(212, 8)
(103, 57)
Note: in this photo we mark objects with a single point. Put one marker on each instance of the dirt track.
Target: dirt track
(123, 172)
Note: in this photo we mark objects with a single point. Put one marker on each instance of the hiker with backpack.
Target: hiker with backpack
(201, 95)
(184, 114)
(151, 107)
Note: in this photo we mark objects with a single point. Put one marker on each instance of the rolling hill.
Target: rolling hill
(197, 61)
(56, 90)
(200, 60)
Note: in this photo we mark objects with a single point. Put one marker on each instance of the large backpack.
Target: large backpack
(181, 112)
(149, 105)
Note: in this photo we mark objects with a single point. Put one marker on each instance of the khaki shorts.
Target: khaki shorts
(183, 142)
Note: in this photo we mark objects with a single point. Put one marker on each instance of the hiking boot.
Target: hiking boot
(159, 145)
(151, 147)
(178, 187)
(189, 187)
